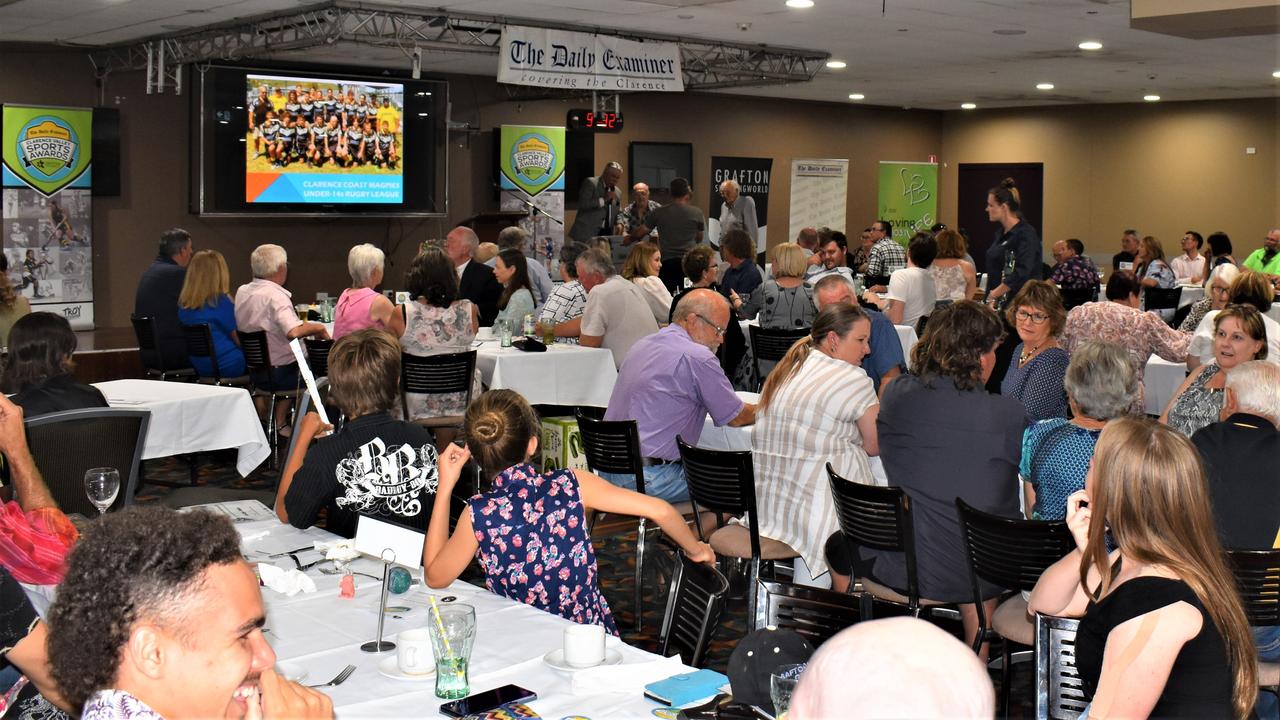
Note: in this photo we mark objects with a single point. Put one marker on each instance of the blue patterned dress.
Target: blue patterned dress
(534, 546)
(1055, 459)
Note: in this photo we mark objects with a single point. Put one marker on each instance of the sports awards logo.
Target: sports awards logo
(533, 157)
(46, 148)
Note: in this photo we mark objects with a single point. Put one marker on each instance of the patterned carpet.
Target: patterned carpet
(615, 553)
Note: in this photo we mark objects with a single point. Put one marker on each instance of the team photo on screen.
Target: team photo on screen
(313, 140)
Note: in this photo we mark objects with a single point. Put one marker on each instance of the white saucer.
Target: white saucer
(555, 659)
(292, 672)
(388, 666)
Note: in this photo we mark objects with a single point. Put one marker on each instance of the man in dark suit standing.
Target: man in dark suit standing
(475, 280)
(157, 296)
(598, 204)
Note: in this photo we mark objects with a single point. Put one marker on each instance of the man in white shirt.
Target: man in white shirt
(911, 293)
(1189, 266)
(832, 246)
(617, 314)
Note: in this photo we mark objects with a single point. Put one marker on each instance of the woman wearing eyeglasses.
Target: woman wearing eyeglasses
(1038, 365)
(1239, 336)
(1217, 291)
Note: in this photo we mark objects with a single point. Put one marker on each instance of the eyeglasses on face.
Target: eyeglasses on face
(719, 330)
(1036, 318)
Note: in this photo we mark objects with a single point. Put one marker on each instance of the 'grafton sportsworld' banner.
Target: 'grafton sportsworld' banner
(908, 197)
(753, 175)
(583, 61)
(532, 165)
(47, 210)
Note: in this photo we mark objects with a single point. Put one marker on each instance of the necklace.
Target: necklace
(1027, 354)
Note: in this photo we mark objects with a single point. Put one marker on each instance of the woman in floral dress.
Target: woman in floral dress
(436, 321)
(529, 529)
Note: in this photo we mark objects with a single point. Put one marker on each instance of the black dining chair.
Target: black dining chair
(769, 345)
(724, 482)
(448, 373)
(1257, 574)
(1012, 554)
(318, 355)
(1059, 689)
(144, 329)
(257, 359)
(879, 518)
(695, 603)
(816, 613)
(65, 444)
(200, 345)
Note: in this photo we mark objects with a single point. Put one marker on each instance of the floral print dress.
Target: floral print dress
(430, 330)
(534, 547)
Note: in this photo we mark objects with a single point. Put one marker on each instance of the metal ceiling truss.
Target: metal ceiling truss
(706, 64)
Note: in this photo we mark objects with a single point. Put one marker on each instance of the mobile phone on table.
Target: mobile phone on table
(487, 700)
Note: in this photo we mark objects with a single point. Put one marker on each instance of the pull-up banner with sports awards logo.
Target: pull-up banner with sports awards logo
(532, 161)
(47, 210)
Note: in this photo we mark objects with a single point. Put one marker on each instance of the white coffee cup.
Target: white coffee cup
(413, 652)
(584, 645)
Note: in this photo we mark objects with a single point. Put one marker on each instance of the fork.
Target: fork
(337, 679)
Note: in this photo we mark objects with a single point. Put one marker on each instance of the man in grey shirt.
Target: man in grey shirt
(680, 226)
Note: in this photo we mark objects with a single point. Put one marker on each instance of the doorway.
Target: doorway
(972, 184)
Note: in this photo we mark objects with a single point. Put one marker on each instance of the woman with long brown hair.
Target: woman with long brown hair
(818, 407)
(1162, 630)
(642, 266)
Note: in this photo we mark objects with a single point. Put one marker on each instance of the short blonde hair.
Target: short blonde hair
(207, 280)
(266, 260)
(362, 261)
(485, 252)
(789, 260)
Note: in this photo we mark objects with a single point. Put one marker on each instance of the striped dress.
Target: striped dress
(811, 420)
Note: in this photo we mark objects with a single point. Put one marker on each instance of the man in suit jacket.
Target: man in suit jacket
(157, 296)
(597, 204)
(475, 280)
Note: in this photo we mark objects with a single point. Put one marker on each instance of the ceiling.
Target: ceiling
(933, 54)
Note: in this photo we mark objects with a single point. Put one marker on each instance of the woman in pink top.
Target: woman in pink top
(361, 306)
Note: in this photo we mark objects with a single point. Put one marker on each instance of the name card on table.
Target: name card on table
(376, 537)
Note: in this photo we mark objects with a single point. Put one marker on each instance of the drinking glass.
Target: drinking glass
(548, 333)
(102, 485)
(782, 682)
(503, 328)
(453, 633)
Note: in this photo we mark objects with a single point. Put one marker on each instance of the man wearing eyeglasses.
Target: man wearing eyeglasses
(1266, 259)
(669, 383)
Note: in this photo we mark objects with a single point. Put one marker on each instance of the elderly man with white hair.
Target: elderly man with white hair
(905, 668)
(264, 304)
(1244, 483)
(476, 281)
(738, 211)
(361, 305)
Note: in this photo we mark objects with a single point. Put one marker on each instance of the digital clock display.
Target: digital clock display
(594, 121)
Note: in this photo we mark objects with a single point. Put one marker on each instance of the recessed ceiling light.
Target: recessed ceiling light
(800, 4)
(1276, 74)
(1090, 45)
(1044, 86)
(857, 96)
(968, 106)
(1151, 98)
(836, 64)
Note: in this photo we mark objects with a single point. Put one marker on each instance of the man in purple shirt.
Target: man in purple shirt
(669, 382)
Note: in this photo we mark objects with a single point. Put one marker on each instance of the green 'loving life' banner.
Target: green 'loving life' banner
(908, 197)
(532, 158)
(46, 148)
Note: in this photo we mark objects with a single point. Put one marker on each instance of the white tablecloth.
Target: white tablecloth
(563, 375)
(1190, 294)
(906, 336)
(1162, 379)
(189, 417)
(321, 634)
(739, 438)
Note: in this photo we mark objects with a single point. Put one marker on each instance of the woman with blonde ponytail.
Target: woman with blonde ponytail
(818, 406)
(529, 529)
(1162, 630)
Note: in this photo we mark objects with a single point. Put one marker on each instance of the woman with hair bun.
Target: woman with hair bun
(1016, 256)
(529, 529)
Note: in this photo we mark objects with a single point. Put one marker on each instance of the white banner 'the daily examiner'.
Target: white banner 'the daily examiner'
(583, 61)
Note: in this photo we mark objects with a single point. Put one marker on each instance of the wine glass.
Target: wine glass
(102, 485)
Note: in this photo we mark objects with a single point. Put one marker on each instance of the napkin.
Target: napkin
(626, 678)
(287, 582)
(342, 549)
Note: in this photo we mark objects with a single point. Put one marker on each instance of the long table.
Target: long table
(563, 375)
(191, 417)
(320, 633)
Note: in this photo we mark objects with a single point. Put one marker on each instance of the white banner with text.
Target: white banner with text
(819, 191)
(583, 61)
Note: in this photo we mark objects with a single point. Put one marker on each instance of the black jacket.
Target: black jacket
(478, 285)
(157, 296)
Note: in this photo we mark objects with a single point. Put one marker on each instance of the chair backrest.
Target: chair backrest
(1161, 298)
(1011, 553)
(612, 446)
(434, 374)
(144, 328)
(1075, 297)
(722, 481)
(254, 345)
(318, 355)
(695, 603)
(815, 613)
(1059, 690)
(100, 437)
(304, 405)
(200, 345)
(769, 344)
(878, 518)
(873, 280)
(1258, 581)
